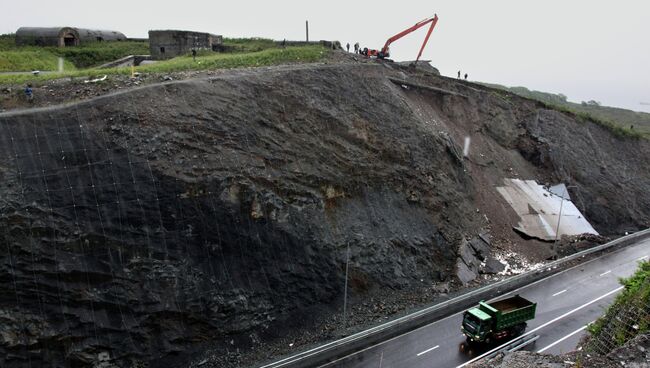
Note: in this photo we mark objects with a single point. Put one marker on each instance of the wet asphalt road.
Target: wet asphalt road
(567, 302)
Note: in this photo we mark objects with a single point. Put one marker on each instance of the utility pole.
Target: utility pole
(345, 288)
(557, 229)
(307, 30)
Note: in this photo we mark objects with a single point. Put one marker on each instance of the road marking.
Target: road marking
(428, 350)
(565, 337)
(605, 273)
(559, 292)
(642, 258)
(544, 325)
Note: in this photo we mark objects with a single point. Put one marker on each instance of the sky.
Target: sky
(588, 50)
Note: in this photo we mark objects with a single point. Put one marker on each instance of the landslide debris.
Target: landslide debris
(145, 225)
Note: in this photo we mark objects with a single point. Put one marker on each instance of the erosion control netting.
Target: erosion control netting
(135, 228)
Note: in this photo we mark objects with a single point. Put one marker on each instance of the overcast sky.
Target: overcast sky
(584, 49)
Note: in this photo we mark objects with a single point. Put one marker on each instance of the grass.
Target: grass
(26, 58)
(275, 56)
(228, 61)
(249, 44)
(12, 61)
(97, 53)
(635, 296)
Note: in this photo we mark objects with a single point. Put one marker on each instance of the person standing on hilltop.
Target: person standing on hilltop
(356, 48)
(459, 74)
(465, 76)
(29, 93)
(347, 46)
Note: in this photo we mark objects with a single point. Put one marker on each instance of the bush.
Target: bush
(635, 297)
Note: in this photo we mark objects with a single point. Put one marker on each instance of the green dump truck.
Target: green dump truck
(502, 319)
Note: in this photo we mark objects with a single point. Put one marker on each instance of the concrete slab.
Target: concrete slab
(539, 210)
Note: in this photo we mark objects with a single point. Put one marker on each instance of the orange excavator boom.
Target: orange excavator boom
(385, 50)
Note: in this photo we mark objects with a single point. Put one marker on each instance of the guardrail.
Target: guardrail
(353, 343)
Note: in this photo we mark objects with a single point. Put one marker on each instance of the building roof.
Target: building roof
(41, 31)
(106, 35)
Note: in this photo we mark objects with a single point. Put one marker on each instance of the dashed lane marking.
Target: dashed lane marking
(428, 350)
(559, 292)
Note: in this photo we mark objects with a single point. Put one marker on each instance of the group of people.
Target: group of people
(357, 48)
(459, 75)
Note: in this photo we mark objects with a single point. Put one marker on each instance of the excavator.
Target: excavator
(384, 53)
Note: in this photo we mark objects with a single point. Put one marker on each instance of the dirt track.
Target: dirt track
(218, 211)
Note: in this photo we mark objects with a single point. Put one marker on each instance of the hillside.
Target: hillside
(626, 119)
(214, 214)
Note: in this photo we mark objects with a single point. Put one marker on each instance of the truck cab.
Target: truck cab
(476, 324)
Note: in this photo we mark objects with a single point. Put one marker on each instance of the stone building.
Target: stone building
(167, 44)
(63, 36)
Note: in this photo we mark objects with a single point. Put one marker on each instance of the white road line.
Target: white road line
(564, 338)
(545, 324)
(559, 292)
(428, 350)
(605, 273)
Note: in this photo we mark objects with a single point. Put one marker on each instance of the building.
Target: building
(171, 43)
(63, 36)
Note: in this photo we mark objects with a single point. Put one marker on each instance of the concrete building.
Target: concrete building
(167, 44)
(63, 36)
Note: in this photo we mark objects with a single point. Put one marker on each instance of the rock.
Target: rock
(464, 273)
(481, 249)
(492, 266)
(441, 288)
(468, 256)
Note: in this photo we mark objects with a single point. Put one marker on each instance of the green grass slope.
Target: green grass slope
(26, 58)
(268, 57)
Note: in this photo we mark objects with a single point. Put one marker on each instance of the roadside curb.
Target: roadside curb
(358, 341)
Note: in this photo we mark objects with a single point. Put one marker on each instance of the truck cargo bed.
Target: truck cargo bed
(509, 312)
(507, 305)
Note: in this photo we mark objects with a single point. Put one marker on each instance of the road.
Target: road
(567, 302)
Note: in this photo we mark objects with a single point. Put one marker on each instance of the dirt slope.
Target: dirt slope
(139, 226)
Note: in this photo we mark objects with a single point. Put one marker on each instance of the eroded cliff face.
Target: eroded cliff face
(139, 226)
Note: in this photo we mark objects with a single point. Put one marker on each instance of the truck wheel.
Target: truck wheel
(518, 329)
